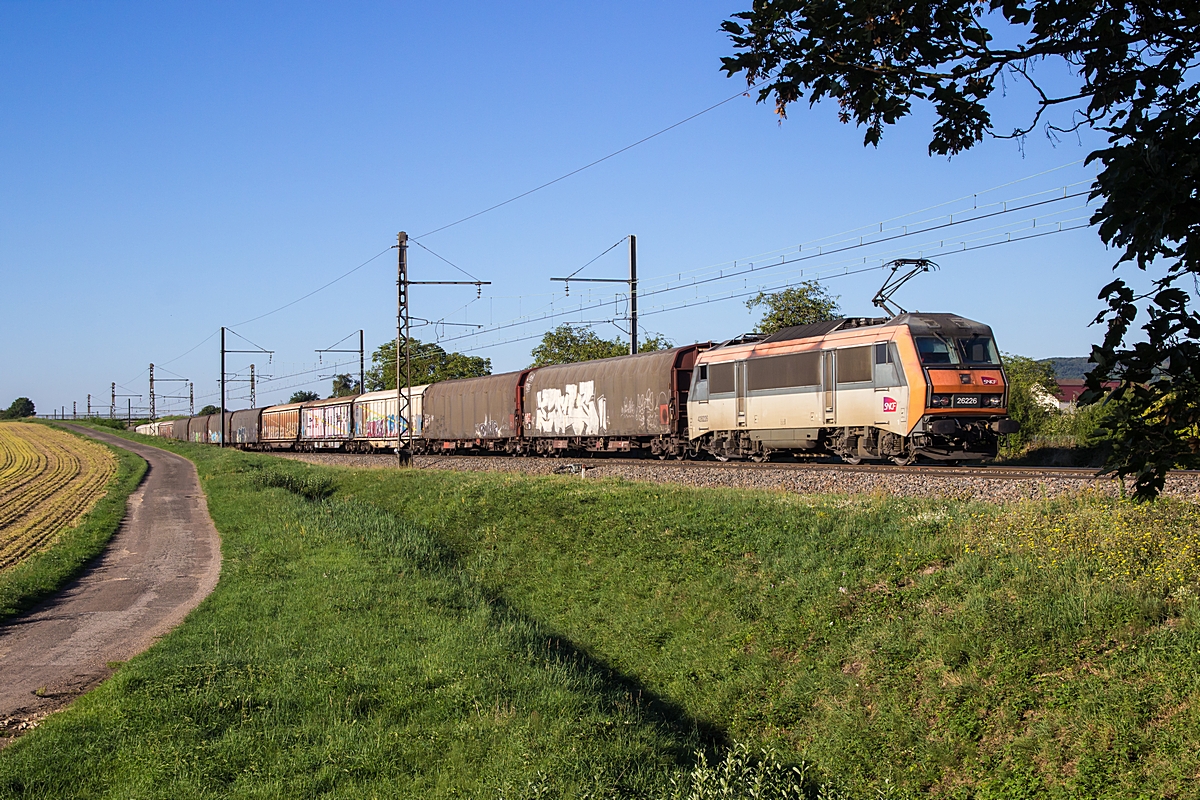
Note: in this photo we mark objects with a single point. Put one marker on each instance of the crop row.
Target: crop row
(49, 463)
(21, 463)
(48, 480)
(44, 465)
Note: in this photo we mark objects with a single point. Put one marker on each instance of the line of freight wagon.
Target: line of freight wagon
(929, 386)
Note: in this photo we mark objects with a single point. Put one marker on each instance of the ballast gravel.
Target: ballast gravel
(797, 478)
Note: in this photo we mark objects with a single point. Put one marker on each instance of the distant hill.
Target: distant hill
(1068, 367)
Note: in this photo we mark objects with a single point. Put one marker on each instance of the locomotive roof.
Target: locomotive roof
(918, 322)
(823, 327)
(951, 324)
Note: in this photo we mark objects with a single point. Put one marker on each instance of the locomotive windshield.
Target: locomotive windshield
(978, 350)
(969, 351)
(936, 351)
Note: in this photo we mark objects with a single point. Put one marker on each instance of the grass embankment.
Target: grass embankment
(440, 635)
(41, 573)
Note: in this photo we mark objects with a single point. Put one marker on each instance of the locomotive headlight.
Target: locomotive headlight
(993, 400)
(940, 401)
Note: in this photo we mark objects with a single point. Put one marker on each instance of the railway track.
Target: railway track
(912, 469)
(569, 465)
(988, 483)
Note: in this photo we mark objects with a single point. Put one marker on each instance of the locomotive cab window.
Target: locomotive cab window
(886, 372)
(935, 351)
(978, 350)
(699, 391)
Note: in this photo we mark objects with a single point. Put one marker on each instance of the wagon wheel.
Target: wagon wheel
(852, 460)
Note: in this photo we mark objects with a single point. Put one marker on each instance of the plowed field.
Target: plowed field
(48, 480)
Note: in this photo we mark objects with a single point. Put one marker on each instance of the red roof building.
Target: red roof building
(1069, 390)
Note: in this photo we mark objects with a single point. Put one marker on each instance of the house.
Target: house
(1069, 390)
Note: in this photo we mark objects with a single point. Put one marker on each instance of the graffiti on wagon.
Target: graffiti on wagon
(575, 409)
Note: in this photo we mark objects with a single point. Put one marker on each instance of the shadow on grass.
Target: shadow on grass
(623, 692)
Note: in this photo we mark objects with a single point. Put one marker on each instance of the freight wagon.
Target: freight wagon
(280, 427)
(325, 424)
(621, 404)
(375, 419)
(474, 414)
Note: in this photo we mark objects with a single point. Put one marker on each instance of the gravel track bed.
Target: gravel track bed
(814, 479)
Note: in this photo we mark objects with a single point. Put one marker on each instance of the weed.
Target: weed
(309, 485)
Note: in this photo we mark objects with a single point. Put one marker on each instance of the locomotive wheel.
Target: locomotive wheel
(904, 460)
(852, 460)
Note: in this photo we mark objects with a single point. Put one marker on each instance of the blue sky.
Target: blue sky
(166, 169)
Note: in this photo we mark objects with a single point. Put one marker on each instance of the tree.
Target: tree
(797, 305)
(18, 409)
(1136, 64)
(303, 396)
(1023, 375)
(567, 344)
(345, 386)
(430, 364)
(209, 409)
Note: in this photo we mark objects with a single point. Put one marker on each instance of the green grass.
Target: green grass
(45, 572)
(426, 634)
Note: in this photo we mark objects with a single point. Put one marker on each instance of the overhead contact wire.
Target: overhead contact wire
(613, 154)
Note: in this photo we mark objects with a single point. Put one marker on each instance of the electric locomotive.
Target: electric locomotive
(914, 385)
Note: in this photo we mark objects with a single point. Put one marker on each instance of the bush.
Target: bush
(308, 486)
(1049, 435)
(105, 422)
(1036, 418)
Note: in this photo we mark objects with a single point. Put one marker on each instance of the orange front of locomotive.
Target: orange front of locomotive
(958, 377)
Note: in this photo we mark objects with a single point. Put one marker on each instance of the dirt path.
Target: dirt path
(163, 561)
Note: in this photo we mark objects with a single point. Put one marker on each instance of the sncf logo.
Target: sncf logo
(889, 404)
(986, 381)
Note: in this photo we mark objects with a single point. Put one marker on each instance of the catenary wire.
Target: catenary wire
(739, 273)
(314, 291)
(613, 154)
(822, 251)
(724, 297)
